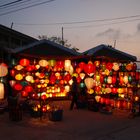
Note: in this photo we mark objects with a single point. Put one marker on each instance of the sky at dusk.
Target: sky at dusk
(86, 23)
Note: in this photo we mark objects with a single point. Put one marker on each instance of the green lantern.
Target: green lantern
(52, 62)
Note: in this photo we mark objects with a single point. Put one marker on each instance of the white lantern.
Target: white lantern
(67, 64)
(82, 75)
(29, 78)
(43, 63)
(1, 91)
(89, 82)
(125, 79)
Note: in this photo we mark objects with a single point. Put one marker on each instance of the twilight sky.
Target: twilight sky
(86, 23)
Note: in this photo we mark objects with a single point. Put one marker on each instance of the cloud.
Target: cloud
(110, 33)
(138, 28)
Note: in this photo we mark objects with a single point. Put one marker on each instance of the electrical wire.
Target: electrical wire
(29, 6)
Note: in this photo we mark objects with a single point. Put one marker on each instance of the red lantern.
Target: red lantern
(114, 79)
(82, 65)
(109, 65)
(78, 70)
(28, 88)
(24, 62)
(30, 68)
(43, 97)
(114, 90)
(90, 68)
(24, 93)
(18, 86)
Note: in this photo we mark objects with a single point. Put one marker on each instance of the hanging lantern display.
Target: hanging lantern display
(109, 66)
(3, 70)
(89, 82)
(78, 70)
(12, 83)
(129, 66)
(43, 63)
(52, 62)
(97, 63)
(1, 91)
(24, 62)
(18, 86)
(109, 80)
(29, 78)
(125, 79)
(19, 67)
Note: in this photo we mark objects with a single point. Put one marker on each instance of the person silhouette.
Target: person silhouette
(74, 93)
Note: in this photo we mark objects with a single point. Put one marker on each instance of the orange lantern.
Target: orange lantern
(43, 63)
(109, 80)
(1, 91)
(89, 82)
(3, 70)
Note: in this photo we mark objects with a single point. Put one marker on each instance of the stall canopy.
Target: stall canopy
(44, 48)
(109, 52)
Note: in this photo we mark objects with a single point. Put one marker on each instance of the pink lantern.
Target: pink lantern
(3, 70)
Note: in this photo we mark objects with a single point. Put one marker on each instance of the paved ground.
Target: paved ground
(79, 124)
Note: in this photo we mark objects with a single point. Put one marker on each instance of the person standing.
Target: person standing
(74, 93)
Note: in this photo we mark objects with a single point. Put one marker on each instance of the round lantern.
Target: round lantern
(67, 88)
(114, 90)
(109, 65)
(97, 63)
(129, 66)
(24, 62)
(125, 79)
(43, 63)
(109, 80)
(18, 76)
(19, 67)
(29, 78)
(90, 68)
(30, 68)
(89, 82)
(28, 88)
(18, 86)
(1, 91)
(24, 93)
(82, 65)
(108, 90)
(3, 70)
(52, 62)
(115, 66)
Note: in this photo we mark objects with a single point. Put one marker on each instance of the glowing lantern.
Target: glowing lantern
(114, 90)
(18, 77)
(18, 86)
(52, 62)
(24, 62)
(12, 83)
(109, 65)
(78, 70)
(97, 77)
(109, 80)
(108, 90)
(89, 82)
(19, 67)
(120, 90)
(97, 98)
(97, 63)
(28, 88)
(121, 79)
(114, 79)
(24, 93)
(67, 88)
(43, 63)
(60, 64)
(134, 67)
(3, 70)
(30, 68)
(82, 65)
(90, 68)
(125, 79)
(129, 66)
(67, 64)
(97, 89)
(1, 91)
(29, 78)
(82, 75)
(43, 97)
(115, 66)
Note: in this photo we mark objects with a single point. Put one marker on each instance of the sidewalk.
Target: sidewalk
(78, 124)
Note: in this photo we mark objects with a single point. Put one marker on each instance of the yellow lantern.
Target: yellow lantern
(67, 64)
(18, 76)
(43, 63)
(67, 88)
(120, 90)
(1, 91)
(125, 79)
(108, 90)
(82, 75)
(52, 62)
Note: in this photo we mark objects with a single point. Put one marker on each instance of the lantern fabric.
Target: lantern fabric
(89, 82)
(1, 91)
(3, 70)
(24, 62)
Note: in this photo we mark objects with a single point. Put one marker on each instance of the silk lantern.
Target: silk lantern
(43, 63)
(3, 70)
(24, 62)
(67, 64)
(89, 82)
(1, 91)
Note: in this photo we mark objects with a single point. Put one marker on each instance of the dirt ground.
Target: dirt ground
(77, 124)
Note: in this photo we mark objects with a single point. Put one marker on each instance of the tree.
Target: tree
(58, 40)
